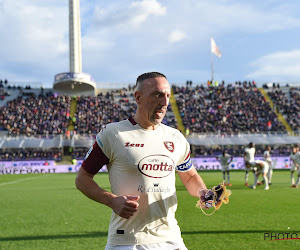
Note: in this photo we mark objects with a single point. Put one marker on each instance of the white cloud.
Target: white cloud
(27, 30)
(278, 66)
(124, 14)
(176, 36)
(143, 9)
(33, 39)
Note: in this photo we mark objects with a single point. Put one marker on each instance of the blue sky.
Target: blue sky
(259, 40)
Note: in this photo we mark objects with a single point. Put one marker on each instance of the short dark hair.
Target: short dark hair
(148, 75)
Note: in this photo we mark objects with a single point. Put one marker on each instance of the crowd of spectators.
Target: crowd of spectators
(226, 109)
(32, 115)
(30, 155)
(92, 113)
(293, 116)
(215, 109)
(79, 153)
(288, 103)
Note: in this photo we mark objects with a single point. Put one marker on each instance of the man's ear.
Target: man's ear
(137, 95)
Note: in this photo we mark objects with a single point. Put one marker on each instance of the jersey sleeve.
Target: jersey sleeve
(185, 164)
(104, 140)
(98, 155)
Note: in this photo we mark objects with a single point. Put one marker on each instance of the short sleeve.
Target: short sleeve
(98, 155)
(94, 160)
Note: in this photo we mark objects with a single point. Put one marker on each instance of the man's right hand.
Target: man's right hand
(125, 206)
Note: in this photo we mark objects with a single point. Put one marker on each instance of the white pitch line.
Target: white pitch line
(24, 179)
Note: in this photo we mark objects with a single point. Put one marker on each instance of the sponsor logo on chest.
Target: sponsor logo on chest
(135, 145)
(168, 144)
(153, 189)
(156, 166)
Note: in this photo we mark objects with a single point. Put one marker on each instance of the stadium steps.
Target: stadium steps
(176, 112)
(73, 105)
(278, 114)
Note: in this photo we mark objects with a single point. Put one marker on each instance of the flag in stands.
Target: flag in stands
(214, 48)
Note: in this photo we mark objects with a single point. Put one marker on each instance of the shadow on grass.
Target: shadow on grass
(230, 232)
(104, 234)
(55, 237)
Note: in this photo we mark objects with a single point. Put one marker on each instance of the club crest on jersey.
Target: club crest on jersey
(169, 145)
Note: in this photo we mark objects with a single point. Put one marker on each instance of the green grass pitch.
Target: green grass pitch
(48, 212)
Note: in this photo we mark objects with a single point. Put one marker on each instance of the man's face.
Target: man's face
(153, 100)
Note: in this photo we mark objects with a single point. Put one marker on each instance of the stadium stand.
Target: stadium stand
(30, 155)
(29, 114)
(287, 101)
(226, 109)
(94, 112)
(38, 124)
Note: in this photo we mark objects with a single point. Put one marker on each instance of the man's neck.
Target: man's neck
(144, 124)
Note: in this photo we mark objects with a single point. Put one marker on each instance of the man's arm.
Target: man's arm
(124, 206)
(192, 181)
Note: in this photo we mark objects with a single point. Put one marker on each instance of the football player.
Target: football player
(225, 159)
(250, 164)
(268, 159)
(142, 156)
(295, 165)
(262, 169)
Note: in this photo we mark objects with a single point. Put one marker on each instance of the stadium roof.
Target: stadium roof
(31, 142)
